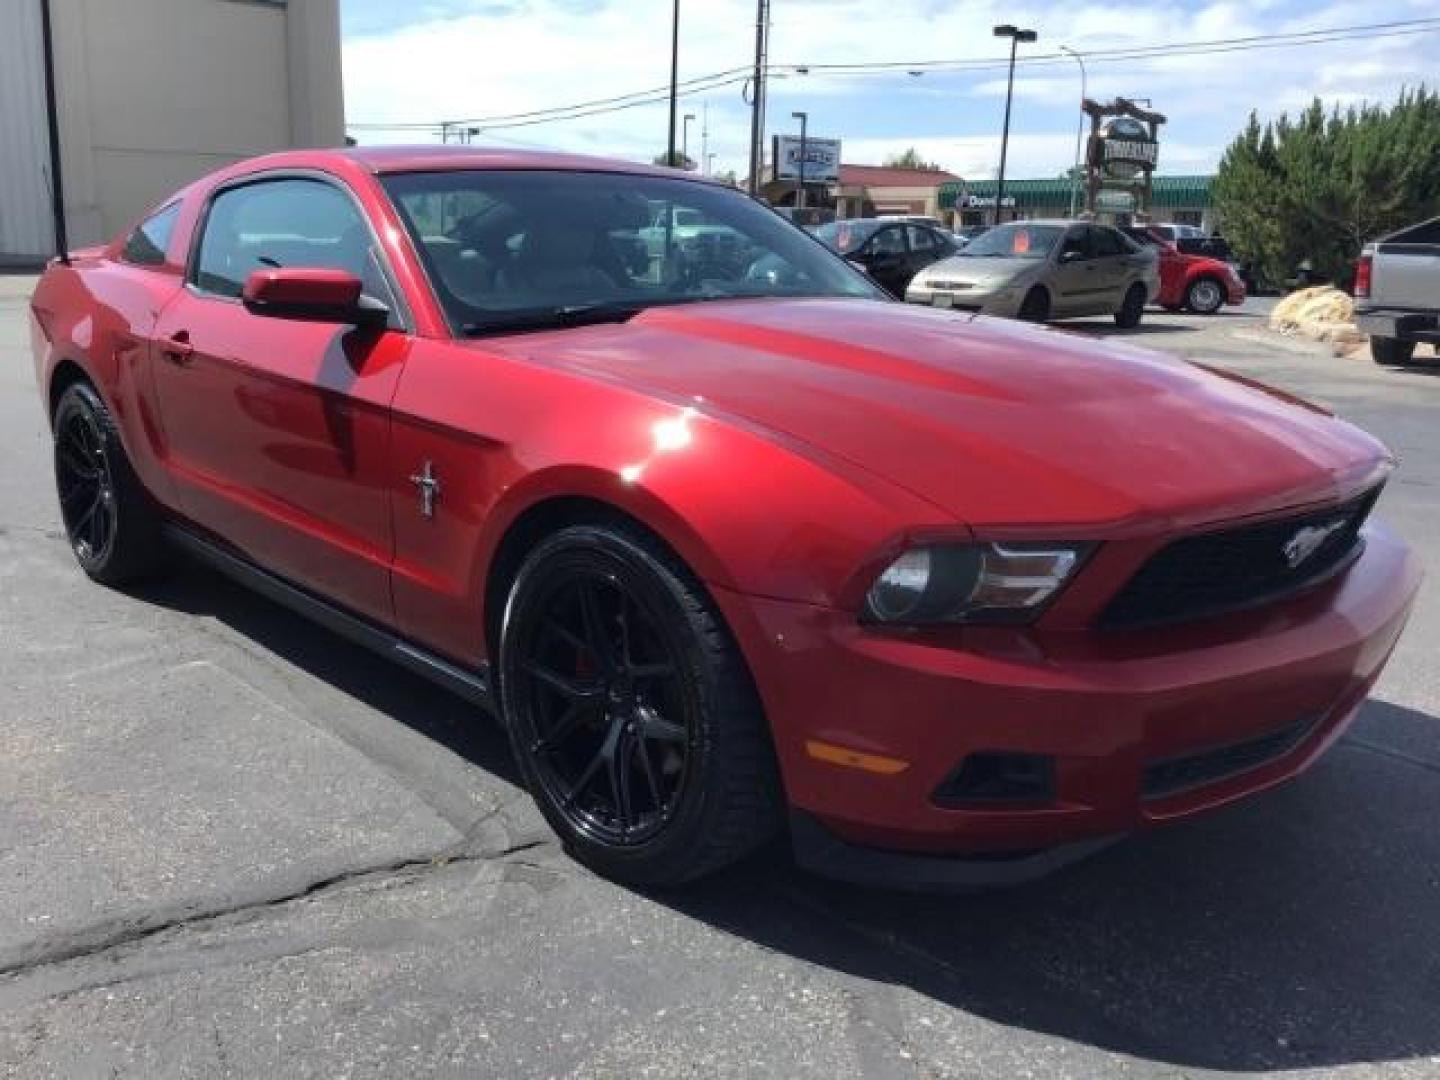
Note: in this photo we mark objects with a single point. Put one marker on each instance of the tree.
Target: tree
(911, 159)
(680, 161)
(1317, 187)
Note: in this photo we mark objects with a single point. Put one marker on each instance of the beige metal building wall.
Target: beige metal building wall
(25, 224)
(155, 93)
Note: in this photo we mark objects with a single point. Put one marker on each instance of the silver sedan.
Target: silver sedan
(1042, 270)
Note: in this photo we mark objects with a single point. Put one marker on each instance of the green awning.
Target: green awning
(1170, 192)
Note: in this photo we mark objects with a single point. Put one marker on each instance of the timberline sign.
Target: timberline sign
(1123, 151)
(1124, 147)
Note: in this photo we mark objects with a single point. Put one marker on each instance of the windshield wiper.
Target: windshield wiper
(555, 318)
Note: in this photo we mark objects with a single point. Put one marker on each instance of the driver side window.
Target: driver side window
(887, 242)
(280, 223)
(1076, 245)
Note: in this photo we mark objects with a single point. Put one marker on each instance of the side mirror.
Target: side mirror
(1071, 256)
(858, 263)
(312, 294)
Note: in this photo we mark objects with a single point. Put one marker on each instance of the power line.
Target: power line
(736, 76)
(1299, 37)
(696, 84)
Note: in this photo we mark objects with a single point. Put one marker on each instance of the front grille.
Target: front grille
(1239, 568)
(1169, 776)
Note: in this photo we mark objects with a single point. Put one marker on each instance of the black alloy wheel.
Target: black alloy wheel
(630, 713)
(611, 740)
(111, 525)
(86, 486)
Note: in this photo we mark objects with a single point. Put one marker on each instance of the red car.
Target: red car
(1194, 282)
(731, 543)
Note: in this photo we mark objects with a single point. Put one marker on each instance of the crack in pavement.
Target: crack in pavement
(1389, 752)
(106, 937)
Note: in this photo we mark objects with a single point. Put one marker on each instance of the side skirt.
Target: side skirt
(474, 686)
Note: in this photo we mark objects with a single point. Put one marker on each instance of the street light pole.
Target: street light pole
(685, 142)
(705, 140)
(1079, 128)
(674, 80)
(1016, 36)
(804, 118)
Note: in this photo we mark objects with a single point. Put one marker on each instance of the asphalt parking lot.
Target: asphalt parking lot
(232, 845)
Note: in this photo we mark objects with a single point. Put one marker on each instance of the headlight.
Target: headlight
(971, 583)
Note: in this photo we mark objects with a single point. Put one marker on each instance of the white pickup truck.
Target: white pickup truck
(1397, 292)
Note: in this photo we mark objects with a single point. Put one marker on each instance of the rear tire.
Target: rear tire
(111, 524)
(1132, 309)
(631, 713)
(1391, 351)
(1035, 307)
(1205, 296)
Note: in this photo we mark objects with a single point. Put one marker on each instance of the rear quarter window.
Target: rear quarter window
(146, 246)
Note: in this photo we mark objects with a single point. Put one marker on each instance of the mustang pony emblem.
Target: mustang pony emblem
(1307, 541)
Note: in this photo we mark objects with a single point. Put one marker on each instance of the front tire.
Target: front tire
(1391, 351)
(1036, 306)
(110, 522)
(1132, 308)
(631, 713)
(1205, 296)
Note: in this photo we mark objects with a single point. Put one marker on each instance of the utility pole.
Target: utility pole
(674, 79)
(1016, 36)
(757, 102)
(804, 118)
(685, 142)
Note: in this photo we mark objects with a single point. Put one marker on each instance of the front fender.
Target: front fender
(744, 512)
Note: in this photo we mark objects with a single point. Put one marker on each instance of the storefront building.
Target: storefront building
(1180, 200)
(868, 191)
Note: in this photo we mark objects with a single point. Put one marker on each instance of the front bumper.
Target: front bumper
(1003, 300)
(1112, 709)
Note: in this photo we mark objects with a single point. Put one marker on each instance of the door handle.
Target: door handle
(177, 348)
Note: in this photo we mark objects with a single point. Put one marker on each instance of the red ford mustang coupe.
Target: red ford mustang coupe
(731, 543)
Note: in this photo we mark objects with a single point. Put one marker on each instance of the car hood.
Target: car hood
(980, 269)
(996, 422)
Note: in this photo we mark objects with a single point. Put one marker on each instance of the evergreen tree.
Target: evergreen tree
(1317, 187)
(911, 159)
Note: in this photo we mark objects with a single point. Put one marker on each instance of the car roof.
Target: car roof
(440, 158)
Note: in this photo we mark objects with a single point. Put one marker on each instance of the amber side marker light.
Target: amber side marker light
(854, 759)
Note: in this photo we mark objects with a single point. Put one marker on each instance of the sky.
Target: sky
(421, 61)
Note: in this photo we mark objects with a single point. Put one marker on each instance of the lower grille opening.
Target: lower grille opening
(995, 777)
(1173, 775)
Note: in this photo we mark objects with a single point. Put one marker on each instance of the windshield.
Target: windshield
(523, 249)
(1015, 240)
(846, 236)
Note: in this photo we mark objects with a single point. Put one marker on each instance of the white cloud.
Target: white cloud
(476, 58)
